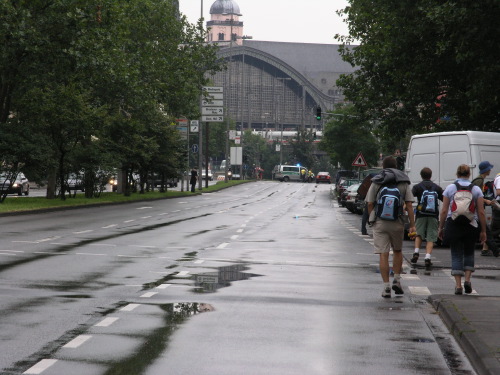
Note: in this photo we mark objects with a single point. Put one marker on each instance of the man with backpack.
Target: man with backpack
(489, 195)
(387, 196)
(428, 194)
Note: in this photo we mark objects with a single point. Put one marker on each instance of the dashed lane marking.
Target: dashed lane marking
(128, 221)
(239, 231)
(106, 322)
(82, 232)
(222, 245)
(163, 286)
(130, 307)
(149, 294)
(182, 274)
(235, 237)
(109, 226)
(419, 290)
(41, 366)
(77, 341)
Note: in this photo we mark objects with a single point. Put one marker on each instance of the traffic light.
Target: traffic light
(318, 113)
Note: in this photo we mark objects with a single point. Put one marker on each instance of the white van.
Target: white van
(287, 172)
(444, 152)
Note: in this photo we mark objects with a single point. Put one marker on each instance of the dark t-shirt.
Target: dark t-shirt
(419, 189)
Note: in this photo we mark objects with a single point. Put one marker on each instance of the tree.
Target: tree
(346, 134)
(424, 66)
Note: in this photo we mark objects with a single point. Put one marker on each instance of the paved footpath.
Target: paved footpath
(474, 320)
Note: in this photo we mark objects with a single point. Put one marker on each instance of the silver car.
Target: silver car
(19, 185)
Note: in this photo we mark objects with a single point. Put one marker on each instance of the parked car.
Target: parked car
(353, 202)
(75, 182)
(323, 177)
(19, 186)
(342, 186)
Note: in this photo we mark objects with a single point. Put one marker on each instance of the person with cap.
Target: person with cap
(485, 168)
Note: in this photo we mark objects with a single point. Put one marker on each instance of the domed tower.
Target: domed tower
(224, 22)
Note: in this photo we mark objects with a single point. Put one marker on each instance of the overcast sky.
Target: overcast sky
(303, 21)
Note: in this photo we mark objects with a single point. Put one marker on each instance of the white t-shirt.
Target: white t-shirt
(496, 182)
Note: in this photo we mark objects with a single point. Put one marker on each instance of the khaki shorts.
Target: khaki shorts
(387, 234)
(427, 228)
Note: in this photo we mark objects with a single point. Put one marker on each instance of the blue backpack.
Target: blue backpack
(428, 204)
(389, 205)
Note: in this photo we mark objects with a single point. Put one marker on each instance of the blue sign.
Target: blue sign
(194, 148)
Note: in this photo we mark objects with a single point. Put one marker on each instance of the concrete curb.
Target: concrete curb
(483, 360)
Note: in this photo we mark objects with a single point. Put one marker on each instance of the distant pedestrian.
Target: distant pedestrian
(303, 174)
(194, 179)
(362, 191)
(388, 193)
(462, 210)
(400, 160)
(495, 209)
(488, 196)
(427, 214)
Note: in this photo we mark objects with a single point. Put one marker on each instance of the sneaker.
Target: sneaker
(467, 287)
(485, 253)
(396, 286)
(414, 258)
(428, 262)
(458, 291)
(386, 293)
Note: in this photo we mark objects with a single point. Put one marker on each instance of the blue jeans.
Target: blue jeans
(462, 240)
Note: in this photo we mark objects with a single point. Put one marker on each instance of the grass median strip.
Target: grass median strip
(23, 204)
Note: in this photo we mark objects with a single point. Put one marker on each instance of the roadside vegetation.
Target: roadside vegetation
(23, 204)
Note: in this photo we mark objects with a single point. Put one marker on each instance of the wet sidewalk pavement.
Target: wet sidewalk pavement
(474, 320)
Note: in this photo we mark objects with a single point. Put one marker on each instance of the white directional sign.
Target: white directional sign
(212, 111)
(212, 103)
(212, 118)
(212, 89)
(195, 126)
(215, 96)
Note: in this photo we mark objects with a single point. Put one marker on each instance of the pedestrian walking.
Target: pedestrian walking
(460, 220)
(387, 197)
(488, 196)
(427, 214)
(194, 179)
(495, 210)
(362, 191)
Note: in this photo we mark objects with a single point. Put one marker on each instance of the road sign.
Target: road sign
(212, 89)
(212, 111)
(359, 161)
(195, 126)
(212, 118)
(182, 127)
(194, 148)
(212, 103)
(215, 96)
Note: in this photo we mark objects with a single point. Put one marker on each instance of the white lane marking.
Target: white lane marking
(82, 231)
(106, 322)
(163, 286)
(243, 225)
(239, 231)
(222, 245)
(48, 253)
(109, 226)
(165, 213)
(148, 295)
(144, 246)
(182, 202)
(132, 256)
(41, 366)
(409, 276)
(146, 217)
(235, 237)
(177, 211)
(183, 274)
(77, 341)
(98, 254)
(128, 221)
(143, 208)
(25, 241)
(199, 261)
(130, 307)
(48, 239)
(420, 290)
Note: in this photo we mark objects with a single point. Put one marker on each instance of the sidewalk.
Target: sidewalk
(474, 320)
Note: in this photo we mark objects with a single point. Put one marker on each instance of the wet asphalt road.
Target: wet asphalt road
(262, 278)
